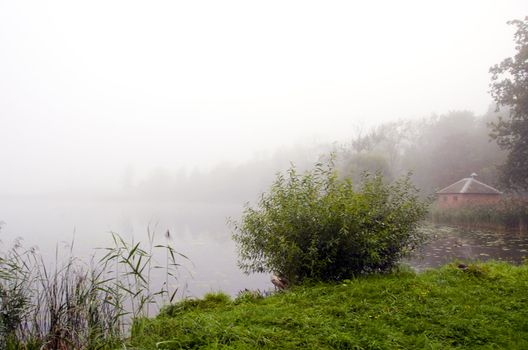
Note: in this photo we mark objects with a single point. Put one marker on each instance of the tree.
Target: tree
(317, 226)
(509, 88)
(448, 147)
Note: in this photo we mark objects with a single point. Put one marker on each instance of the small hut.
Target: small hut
(467, 191)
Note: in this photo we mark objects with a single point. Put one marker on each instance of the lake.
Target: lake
(200, 232)
(197, 230)
(448, 243)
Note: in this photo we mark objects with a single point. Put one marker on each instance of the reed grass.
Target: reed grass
(73, 304)
(509, 213)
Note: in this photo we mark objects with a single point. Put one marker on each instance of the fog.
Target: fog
(117, 115)
(93, 94)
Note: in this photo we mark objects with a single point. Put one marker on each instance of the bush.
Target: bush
(317, 226)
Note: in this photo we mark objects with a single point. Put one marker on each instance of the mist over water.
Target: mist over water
(198, 231)
(93, 94)
(193, 206)
(119, 116)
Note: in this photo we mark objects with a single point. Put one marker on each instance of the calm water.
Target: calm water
(200, 232)
(449, 243)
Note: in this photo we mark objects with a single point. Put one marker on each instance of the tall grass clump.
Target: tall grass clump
(73, 304)
(14, 295)
(318, 226)
(508, 213)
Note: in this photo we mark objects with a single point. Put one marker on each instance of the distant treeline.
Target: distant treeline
(438, 150)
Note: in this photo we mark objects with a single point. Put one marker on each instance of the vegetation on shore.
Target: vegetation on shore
(72, 304)
(510, 214)
(318, 226)
(473, 306)
(509, 88)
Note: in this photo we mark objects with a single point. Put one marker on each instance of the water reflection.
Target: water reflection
(198, 230)
(450, 243)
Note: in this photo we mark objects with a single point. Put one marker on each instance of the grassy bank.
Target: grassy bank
(482, 306)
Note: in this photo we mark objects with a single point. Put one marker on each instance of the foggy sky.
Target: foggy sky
(91, 91)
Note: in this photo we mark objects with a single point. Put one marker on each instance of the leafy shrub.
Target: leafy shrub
(317, 226)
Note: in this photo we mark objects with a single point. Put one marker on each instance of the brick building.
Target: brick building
(467, 191)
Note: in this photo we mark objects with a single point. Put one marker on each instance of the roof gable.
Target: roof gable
(469, 185)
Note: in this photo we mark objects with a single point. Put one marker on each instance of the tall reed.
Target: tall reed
(509, 213)
(73, 304)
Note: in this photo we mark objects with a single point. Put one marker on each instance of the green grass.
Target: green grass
(484, 306)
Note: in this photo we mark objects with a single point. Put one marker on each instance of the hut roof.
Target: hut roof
(469, 185)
